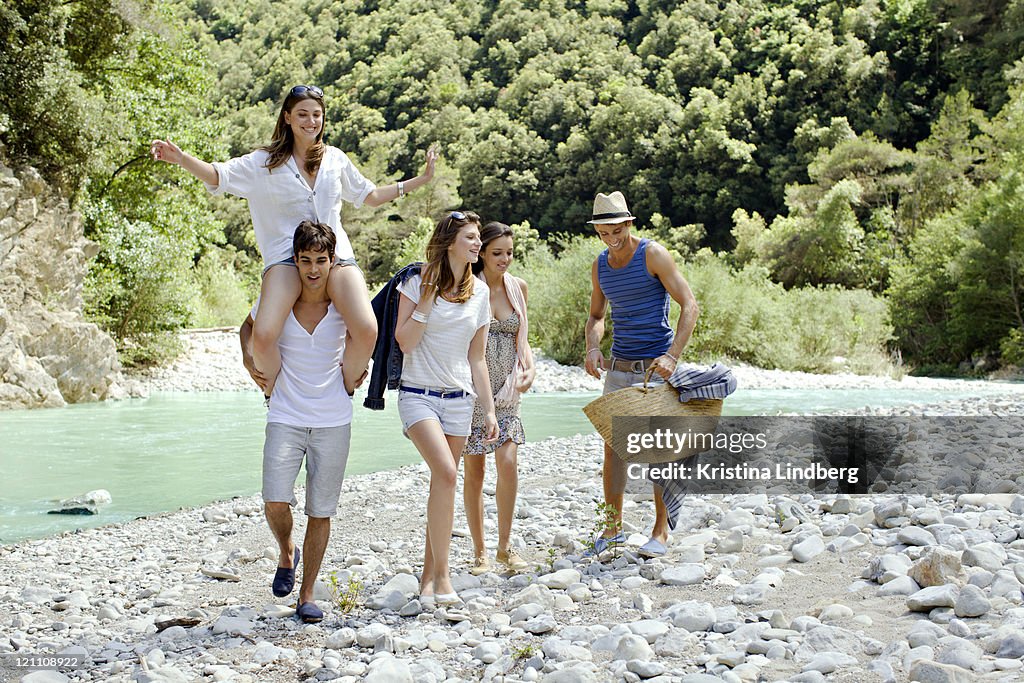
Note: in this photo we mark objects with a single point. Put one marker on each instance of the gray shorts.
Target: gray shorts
(617, 379)
(455, 415)
(325, 450)
(290, 261)
(613, 381)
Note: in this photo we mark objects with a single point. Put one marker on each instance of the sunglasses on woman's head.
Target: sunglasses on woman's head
(300, 90)
(458, 215)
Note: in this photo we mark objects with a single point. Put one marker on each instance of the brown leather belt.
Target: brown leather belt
(637, 366)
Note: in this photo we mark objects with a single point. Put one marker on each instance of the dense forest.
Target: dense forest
(855, 166)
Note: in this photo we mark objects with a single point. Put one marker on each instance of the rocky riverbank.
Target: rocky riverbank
(754, 588)
(211, 362)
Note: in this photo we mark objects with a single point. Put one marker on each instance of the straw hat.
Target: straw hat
(610, 208)
(642, 404)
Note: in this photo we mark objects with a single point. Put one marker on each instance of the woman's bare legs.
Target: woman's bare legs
(347, 289)
(508, 487)
(473, 498)
(441, 453)
(278, 294)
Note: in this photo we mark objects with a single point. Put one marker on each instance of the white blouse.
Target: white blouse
(280, 199)
(441, 359)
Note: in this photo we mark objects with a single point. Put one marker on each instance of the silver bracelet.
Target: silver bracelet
(419, 316)
(401, 189)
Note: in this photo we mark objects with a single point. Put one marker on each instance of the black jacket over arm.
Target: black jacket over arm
(387, 356)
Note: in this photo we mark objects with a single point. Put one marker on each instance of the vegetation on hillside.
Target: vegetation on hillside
(833, 159)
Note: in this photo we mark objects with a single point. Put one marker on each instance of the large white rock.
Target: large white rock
(49, 354)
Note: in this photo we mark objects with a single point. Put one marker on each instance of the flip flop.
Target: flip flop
(284, 578)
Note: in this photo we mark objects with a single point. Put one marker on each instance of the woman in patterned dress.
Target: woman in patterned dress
(511, 369)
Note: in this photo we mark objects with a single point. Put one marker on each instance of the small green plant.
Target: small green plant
(346, 597)
(606, 519)
(552, 556)
(524, 651)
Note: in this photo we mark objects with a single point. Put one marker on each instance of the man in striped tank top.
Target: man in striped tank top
(637, 277)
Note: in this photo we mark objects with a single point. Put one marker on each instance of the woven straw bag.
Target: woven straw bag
(640, 405)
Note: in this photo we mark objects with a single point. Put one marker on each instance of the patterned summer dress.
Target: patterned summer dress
(501, 359)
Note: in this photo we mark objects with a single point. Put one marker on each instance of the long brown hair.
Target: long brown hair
(437, 269)
(488, 234)
(282, 142)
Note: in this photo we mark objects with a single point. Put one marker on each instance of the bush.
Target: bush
(139, 287)
(229, 282)
(560, 297)
(744, 316)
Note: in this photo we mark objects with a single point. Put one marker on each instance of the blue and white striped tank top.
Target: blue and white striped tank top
(640, 306)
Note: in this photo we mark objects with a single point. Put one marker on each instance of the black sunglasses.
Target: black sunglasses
(458, 215)
(300, 90)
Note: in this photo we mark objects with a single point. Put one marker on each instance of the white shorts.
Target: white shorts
(455, 415)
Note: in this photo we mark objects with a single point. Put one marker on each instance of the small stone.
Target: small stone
(843, 505)
(340, 639)
(222, 573)
(388, 670)
(731, 543)
(807, 549)
(411, 608)
(903, 585)
(633, 647)
(691, 616)
(645, 669)
(915, 535)
(924, 671)
(971, 602)
(233, 626)
(827, 662)
(561, 579)
(683, 575)
(933, 596)
(540, 624)
(649, 629)
(937, 566)
(368, 635)
(44, 677)
(1012, 646)
(488, 653)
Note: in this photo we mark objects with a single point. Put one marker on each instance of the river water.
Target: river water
(177, 450)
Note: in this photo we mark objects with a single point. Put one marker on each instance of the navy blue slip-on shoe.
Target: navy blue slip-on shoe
(601, 543)
(284, 578)
(309, 612)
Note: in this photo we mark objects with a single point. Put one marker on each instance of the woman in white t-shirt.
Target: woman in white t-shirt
(443, 317)
(296, 178)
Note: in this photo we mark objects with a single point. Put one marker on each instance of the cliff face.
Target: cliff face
(49, 355)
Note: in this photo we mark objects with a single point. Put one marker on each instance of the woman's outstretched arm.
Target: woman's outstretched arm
(165, 150)
(388, 193)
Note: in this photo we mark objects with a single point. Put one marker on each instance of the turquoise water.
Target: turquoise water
(177, 450)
